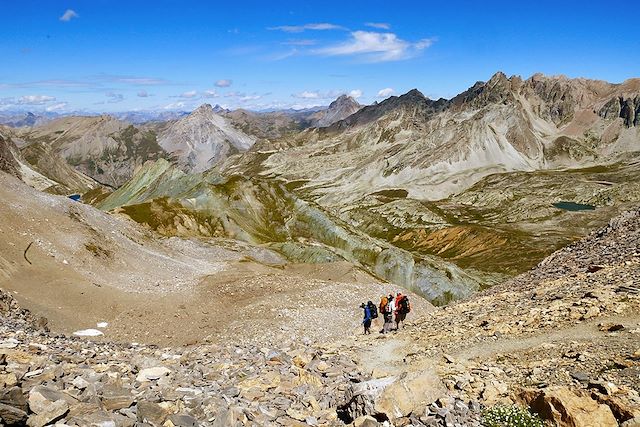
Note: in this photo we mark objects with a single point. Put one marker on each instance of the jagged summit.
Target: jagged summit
(202, 139)
(341, 108)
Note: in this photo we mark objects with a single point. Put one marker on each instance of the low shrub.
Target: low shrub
(510, 416)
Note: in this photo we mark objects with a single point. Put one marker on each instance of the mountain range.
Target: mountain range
(430, 194)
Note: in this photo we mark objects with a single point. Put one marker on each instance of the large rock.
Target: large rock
(152, 413)
(41, 398)
(150, 374)
(49, 414)
(568, 409)
(11, 416)
(393, 397)
(14, 397)
(410, 394)
(366, 421)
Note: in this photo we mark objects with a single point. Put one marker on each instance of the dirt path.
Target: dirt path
(587, 332)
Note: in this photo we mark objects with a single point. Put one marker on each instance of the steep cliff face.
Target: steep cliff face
(8, 162)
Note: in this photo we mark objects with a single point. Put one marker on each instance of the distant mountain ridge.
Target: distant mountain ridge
(435, 148)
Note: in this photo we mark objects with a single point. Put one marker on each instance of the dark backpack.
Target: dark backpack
(405, 306)
(373, 310)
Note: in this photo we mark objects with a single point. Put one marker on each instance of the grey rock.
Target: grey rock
(11, 415)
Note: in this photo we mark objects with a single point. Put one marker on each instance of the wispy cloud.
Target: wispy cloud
(114, 97)
(68, 15)
(188, 95)
(376, 47)
(210, 94)
(322, 26)
(57, 107)
(386, 92)
(141, 81)
(378, 25)
(300, 42)
(307, 94)
(223, 83)
(35, 100)
(355, 94)
(279, 56)
(174, 106)
(143, 94)
(332, 94)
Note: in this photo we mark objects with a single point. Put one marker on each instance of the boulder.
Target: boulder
(151, 374)
(41, 398)
(393, 397)
(634, 422)
(152, 413)
(48, 414)
(183, 420)
(568, 409)
(11, 416)
(14, 397)
(411, 393)
(366, 421)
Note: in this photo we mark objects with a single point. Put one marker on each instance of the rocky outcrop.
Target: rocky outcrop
(568, 409)
(8, 162)
(625, 108)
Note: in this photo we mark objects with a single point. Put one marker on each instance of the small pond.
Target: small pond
(571, 206)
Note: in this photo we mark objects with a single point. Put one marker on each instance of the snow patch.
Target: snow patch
(88, 333)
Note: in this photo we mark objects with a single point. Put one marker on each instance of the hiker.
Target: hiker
(382, 309)
(366, 322)
(388, 314)
(403, 307)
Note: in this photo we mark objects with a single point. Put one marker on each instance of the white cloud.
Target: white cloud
(57, 107)
(253, 97)
(143, 94)
(425, 43)
(114, 97)
(174, 106)
(376, 47)
(35, 99)
(307, 95)
(189, 94)
(323, 26)
(223, 83)
(332, 94)
(378, 25)
(210, 94)
(68, 15)
(386, 92)
(355, 94)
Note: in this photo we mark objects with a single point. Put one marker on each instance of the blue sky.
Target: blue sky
(105, 56)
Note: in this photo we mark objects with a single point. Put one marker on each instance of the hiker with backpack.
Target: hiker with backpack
(382, 307)
(387, 307)
(368, 317)
(403, 307)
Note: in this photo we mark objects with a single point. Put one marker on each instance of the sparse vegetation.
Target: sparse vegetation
(510, 416)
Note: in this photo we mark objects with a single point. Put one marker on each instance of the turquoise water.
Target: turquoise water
(571, 206)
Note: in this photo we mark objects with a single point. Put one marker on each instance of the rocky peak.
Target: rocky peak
(203, 110)
(341, 108)
(344, 101)
(414, 94)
